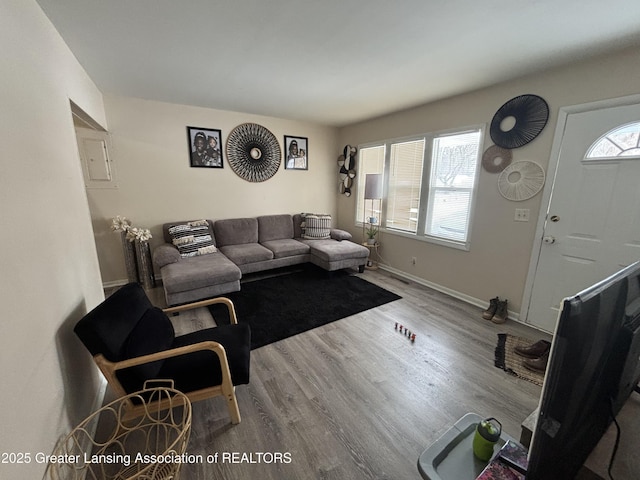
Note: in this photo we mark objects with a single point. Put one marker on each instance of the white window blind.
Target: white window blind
(452, 180)
(429, 185)
(405, 179)
(370, 160)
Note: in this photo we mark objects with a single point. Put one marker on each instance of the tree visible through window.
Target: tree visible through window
(453, 172)
(430, 184)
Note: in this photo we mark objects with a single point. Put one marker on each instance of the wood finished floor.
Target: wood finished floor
(356, 400)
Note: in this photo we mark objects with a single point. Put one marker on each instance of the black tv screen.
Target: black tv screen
(628, 347)
(593, 368)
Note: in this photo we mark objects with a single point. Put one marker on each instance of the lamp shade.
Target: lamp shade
(373, 186)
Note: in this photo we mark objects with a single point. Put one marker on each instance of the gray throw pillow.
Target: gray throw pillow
(340, 235)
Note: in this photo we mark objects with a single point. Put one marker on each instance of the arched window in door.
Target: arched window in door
(623, 141)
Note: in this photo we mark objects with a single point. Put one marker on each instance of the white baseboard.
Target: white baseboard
(123, 281)
(454, 293)
(480, 303)
(113, 284)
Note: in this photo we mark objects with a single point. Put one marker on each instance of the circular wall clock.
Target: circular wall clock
(253, 152)
(530, 114)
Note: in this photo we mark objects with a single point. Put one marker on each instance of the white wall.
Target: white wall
(156, 183)
(48, 260)
(498, 261)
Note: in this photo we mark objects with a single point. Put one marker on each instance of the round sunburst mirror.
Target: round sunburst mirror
(253, 152)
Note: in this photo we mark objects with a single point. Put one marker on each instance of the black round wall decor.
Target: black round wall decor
(253, 152)
(530, 112)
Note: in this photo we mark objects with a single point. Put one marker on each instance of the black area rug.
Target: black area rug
(285, 305)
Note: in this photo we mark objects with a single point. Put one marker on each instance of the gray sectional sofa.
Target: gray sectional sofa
(235, 247)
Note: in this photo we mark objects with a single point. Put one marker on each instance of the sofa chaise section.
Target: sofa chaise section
(187, 279)
(334, 253)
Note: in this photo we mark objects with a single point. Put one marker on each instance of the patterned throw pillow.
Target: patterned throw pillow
(317, 227)
(192, 238)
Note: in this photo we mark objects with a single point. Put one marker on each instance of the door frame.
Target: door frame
(563, 115)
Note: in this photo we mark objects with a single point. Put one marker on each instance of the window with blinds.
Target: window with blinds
(371, 160)
(454, 161)
(429, 184)
(405, 181)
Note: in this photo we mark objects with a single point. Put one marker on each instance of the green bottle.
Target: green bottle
(487, 434)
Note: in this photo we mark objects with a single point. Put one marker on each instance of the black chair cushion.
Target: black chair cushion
(153, 333)
(202, 369)
(106, 328)
(126, 325)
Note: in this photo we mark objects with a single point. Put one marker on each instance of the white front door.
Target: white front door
(592, 224)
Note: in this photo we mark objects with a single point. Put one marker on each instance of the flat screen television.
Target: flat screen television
(593, 368)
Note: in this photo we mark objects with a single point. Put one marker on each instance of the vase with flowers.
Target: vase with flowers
(123, 225)
(140, 238)
(137, 253)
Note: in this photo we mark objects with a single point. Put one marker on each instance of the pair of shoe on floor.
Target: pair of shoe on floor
(497, 311)
(536, 355)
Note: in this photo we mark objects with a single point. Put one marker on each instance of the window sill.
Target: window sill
(427, 239)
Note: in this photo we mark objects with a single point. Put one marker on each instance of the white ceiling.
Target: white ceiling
(334, 61)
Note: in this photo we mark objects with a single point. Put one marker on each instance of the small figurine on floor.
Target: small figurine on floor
(406, 332)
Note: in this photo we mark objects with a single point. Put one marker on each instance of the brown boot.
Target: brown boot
(537, 364)
(501, 314)
(535, 350)
(491, 311)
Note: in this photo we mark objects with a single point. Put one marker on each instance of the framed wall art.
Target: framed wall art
(204, 147)
(297, 153)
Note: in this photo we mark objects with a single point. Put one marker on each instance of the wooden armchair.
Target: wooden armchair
(132, 342)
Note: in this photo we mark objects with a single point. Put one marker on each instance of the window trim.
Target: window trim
(426, 190)
(606, 137)
(360, 185)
